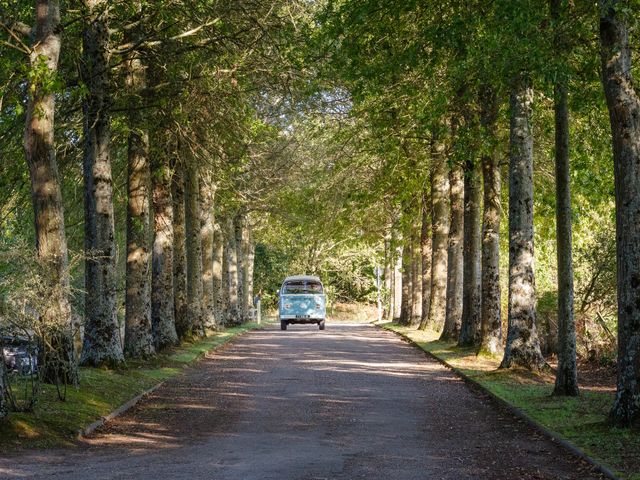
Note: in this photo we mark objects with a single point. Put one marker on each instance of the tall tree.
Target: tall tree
(455, 251)
(179, 249)
(624, 115)
(425, 252)
(491, 321)
(138, 339)
(101, 343)
(523, 345)
(195, 323)
(406, 301)
(567, 371)
(217, 274)
(207, 239)
(472, 279)
(440, 233)
(232, 273)
(162, 298)
(39, 145)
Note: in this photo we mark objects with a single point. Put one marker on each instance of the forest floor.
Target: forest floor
(581, 420)
(349, 402)
(55, 423)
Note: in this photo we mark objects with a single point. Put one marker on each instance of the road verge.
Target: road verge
(500, 387)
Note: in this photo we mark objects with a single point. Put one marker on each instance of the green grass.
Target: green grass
(581, 420)
(54, 423)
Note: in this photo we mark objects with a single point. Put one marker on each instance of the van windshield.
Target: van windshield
(302, 286)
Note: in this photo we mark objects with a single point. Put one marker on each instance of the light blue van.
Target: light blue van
(302, 300)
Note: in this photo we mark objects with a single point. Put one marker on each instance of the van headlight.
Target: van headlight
(287, 306)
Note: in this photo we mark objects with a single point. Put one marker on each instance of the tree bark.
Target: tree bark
(241, 261)
(397, 289)
(407, 287)
(251, 256)
(163, 324)
(453, 317)
(440, 234)
(416, 280)
(138, 337)
(195, 323)
(179, 251)
(217, 275)
(101, 345)
(567, 370)
(491, 321)
(425, 252)
(624, 114)
(46, 194)
(472, 276)
(207, 193)
(231, 251)
(4, 409)
(523, 346)
(387, 277)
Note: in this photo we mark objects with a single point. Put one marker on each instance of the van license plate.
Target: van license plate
(303, 317)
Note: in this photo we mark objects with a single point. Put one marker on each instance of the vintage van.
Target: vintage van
(302, 300)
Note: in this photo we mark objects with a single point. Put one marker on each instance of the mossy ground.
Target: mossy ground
(54, 423)
(580, 420)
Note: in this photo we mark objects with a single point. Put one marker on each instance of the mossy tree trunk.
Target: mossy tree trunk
(425, 252)
(179, 250)
(217, 275)
(455, 263)
(491, 319)
(440, 236)
(138, 341)
(102, 344)
(523, 345)
(472, 275)
(567, 370)
(624, 115)
(195, 323)
(207, 232)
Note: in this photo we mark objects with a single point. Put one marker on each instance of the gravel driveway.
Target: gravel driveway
(350, 402)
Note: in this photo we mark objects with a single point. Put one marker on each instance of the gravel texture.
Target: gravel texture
(346, 403)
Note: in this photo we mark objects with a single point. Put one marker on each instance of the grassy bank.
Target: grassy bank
(581, 420)
(55, 423)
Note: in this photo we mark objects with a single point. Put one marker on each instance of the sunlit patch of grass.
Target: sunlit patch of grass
(580, 420)
(55, 423)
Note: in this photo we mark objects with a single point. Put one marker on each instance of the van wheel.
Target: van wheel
(283, 324)
(321, 325)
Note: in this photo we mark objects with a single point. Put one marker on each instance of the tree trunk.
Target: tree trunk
(523, 346)
(251, 256)
(472, 279)
(416, 280)
(4, 409)
(397, 291)
(624, 114)
(387, 277)
(567, 371)
(101, 345)
(138, 341)
(241, 261)
(425, 252)
(491, 321)
(39, 145)
(207, 193)
(195, 323)
(231, 251)
(440, 234)
(453, 318)
(179, 252)
(217, 275)
(407, 287)
(163, 324)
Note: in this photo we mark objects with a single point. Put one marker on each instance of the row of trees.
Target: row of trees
(161, 113)
(441, 99)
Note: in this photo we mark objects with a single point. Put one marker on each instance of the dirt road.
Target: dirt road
(350, 402)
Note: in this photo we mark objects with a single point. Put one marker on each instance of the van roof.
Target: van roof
(298, 278)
